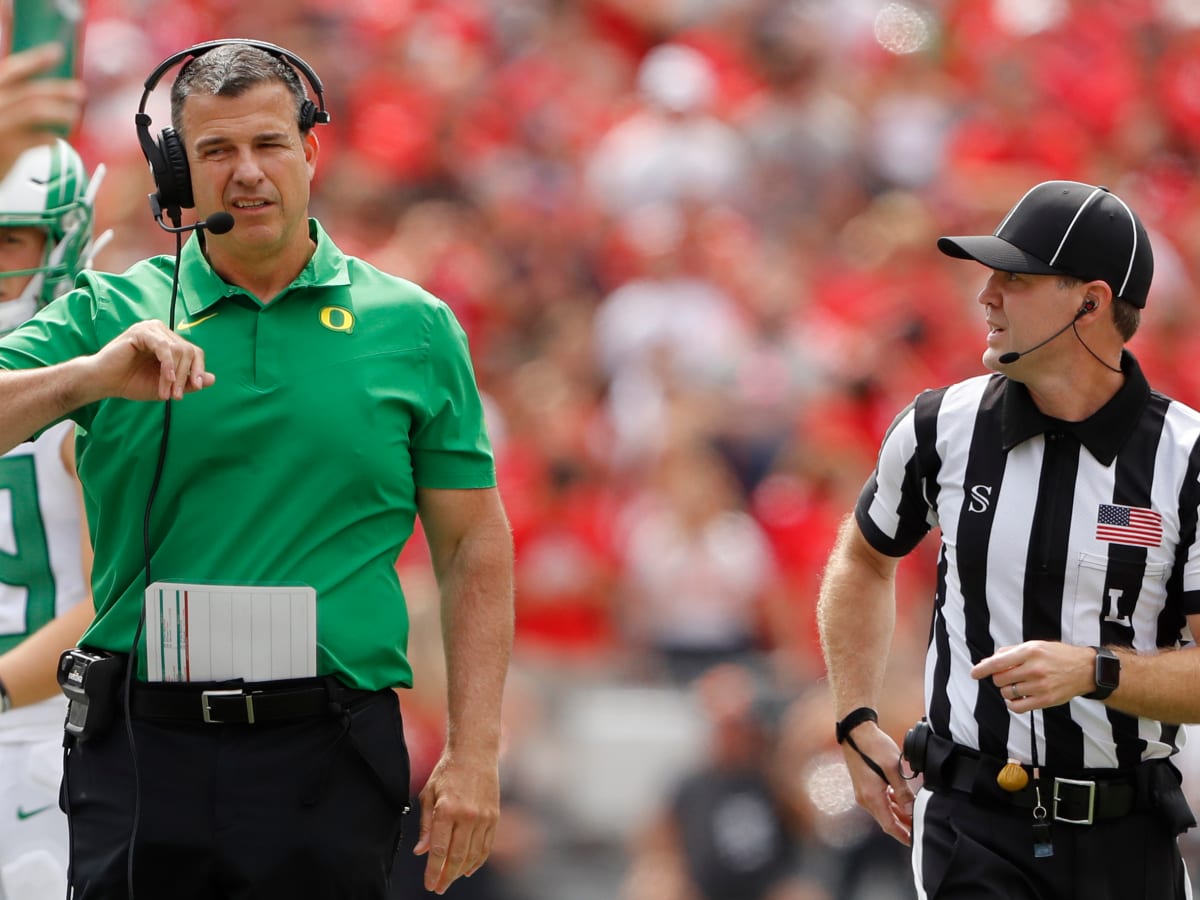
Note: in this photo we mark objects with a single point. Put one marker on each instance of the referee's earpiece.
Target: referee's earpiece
(1088, 305)
(167, 156)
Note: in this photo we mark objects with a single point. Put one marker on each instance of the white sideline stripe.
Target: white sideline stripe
(918, 837)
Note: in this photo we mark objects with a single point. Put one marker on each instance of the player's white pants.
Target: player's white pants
(33, 830)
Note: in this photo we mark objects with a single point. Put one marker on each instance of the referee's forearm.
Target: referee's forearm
(1163, 685)
(30, 399)
(856, 615)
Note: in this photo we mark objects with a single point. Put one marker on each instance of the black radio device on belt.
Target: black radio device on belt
(89, 679)
(916, 741)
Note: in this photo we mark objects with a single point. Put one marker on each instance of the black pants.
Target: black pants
(307, 808)
(965, 850)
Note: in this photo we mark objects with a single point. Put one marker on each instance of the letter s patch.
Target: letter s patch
(981, 498)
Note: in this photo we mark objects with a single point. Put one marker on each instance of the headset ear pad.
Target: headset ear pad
(175, 178)
(308, 115)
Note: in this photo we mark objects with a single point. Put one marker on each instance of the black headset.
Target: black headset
(168, 157)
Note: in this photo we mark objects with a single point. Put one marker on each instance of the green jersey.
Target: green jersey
(299, 466)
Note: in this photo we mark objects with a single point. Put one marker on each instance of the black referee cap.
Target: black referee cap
(1067, 228)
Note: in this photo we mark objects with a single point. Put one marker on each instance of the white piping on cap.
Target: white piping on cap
(1133, 224)
(1013, 211)
(1133, 249)
(1079, 212)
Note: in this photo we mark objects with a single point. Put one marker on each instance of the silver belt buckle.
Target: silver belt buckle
(1091, 800)
(207, 709)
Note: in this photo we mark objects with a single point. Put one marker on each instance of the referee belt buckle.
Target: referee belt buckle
(231, 711)
(1078, 796)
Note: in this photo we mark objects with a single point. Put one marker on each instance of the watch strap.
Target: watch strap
(1102, 691)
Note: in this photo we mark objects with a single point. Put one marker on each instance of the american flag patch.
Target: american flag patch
(1129, 525)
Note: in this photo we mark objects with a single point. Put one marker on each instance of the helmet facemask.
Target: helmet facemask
(48, 189)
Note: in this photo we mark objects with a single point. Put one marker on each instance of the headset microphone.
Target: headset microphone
(218, 223)
(1007, 359)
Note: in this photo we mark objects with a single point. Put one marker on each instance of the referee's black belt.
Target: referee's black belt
(1094, 795)
(242, 703)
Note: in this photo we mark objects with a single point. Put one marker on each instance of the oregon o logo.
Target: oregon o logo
(337, 318)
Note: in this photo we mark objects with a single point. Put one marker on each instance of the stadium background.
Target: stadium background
(692, 242)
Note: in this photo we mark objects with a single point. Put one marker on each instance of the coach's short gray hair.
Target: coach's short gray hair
(229, 70)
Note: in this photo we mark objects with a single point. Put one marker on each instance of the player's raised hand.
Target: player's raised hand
(33, 109)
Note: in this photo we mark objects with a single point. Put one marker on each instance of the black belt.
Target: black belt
(1083, 798)
(242, 703)
(1077, 801)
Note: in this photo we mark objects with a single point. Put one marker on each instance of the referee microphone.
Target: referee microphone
(1007, 359)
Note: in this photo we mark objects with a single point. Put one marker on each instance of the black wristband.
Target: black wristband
(853, 719)
(5, 700)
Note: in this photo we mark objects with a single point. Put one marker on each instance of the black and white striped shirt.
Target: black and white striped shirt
(1078, 532)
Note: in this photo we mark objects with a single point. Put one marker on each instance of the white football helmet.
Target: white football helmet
(48, 188)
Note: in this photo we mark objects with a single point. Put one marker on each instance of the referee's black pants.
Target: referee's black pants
(967, 850)
(306, 808)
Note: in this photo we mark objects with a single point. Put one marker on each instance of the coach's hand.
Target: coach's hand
(460, 806)
(147, 361)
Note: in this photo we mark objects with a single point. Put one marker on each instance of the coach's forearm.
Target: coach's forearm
(30, 399)
(477, 617)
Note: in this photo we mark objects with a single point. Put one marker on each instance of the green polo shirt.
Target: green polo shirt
(299, 466)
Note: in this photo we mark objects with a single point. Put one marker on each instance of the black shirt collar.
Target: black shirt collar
(1103, 433)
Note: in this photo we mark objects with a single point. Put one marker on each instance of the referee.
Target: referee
(1060, 663)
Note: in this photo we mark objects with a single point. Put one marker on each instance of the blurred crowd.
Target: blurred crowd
(693, 245)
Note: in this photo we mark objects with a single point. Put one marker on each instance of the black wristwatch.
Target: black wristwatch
(1108, 674)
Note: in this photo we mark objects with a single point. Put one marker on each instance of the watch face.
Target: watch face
(1108, 671)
